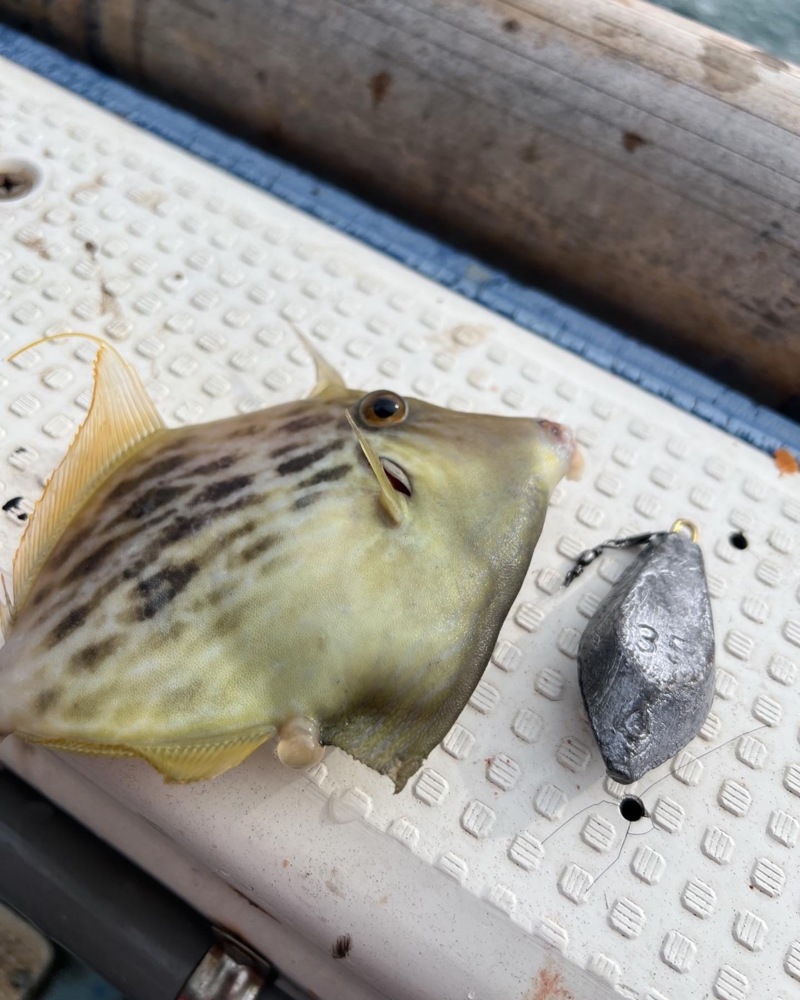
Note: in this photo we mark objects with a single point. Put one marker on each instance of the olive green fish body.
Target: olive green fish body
(228, 578)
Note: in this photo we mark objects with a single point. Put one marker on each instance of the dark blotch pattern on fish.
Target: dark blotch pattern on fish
(308, 458)
(71, 621)
(188, 694)
(181, 527)
(90, 657)
(250, 430)
(175, 497)
(68, 549)
(325, 476)
(306, 500)
(136, 568)
(218, 465)
(47, 698)
(223, 541)
(153, 470)
(155, 592)
(176, 631)
(150, 501)
(229, 621)
(258, 548)
(305, 423)
(286, 448)
(215, 596)
(215, 492)
(92, 562)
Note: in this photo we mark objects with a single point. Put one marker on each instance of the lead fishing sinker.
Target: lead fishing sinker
(646, 658)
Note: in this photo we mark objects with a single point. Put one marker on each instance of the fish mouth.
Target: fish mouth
(563, 441)
(396, 475)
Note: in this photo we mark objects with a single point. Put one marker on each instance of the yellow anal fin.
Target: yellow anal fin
(176, 763)
(76, 746)
(329, 381)
(199, 763)
(393, 503)
(121, 416)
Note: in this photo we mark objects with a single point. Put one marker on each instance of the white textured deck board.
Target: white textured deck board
(465, 880)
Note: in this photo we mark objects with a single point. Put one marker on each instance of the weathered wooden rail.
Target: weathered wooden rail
(644, 159)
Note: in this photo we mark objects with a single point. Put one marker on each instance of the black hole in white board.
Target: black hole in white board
(632, 808)
(738, 541)
(17, 178)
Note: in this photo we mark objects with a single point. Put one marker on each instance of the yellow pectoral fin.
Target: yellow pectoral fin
(120, 417)
(393, 503)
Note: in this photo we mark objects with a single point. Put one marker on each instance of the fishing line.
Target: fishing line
(672, 772)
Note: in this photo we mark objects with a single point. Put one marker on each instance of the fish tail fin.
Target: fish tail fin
(392, 502)
(121, 415)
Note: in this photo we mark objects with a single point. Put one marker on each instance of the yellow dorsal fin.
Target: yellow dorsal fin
(393, 503)
(120, 416)
(329, 381)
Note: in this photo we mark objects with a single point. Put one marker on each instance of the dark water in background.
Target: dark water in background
(772, 25)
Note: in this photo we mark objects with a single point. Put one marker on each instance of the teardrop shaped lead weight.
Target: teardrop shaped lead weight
(646, 658)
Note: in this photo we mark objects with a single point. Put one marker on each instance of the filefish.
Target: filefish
(330, 571)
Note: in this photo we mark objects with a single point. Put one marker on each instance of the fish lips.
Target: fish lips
(562, 441)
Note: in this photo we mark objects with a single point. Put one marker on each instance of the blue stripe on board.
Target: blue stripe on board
(597, 342)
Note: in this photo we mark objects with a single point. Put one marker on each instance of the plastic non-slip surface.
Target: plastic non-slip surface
(504, 869)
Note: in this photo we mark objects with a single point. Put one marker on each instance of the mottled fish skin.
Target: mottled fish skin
(230, 576)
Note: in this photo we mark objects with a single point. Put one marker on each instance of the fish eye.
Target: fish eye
(382, 408)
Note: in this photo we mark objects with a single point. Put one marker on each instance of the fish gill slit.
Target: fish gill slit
(398, 477)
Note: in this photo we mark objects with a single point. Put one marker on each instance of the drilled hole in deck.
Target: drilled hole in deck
(18, 178)
(737, 540)
(632, 808)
